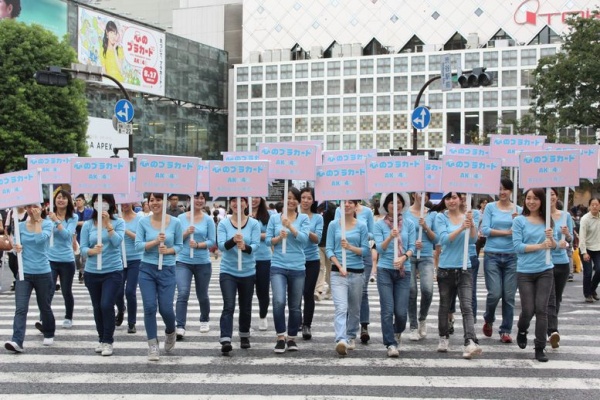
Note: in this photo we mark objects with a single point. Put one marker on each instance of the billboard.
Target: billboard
(51, 14)
(102, 138)
(133, 54)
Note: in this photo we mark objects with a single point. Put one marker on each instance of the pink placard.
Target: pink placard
(239, 178)
(348, 156)
(166, 174)
(20, 189)
(508, 147)
(588, 157)
(133, 196)
(203, 184)
(433, 176)
(341, 182)
(240, 155)
(290, 160)
(471, 174)
(319, 144)
(469, 150)
(544, 169)
(99, 175)
(56, 168)
(395, 174)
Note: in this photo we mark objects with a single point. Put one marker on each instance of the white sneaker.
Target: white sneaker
(180, 332)
(443, 345)
(13, 346)
(472, 349)
(422, 329)
(153, 350)
(204, 327)
(342, 348)
(48, 341)
(99, 348)
(107, 349)
(414, 335)
(263, 324)
(392, 351)
(170, 340)
(351, 344)
(67, 324)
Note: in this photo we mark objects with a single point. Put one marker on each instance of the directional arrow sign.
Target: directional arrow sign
(124, 111)
(421, 117)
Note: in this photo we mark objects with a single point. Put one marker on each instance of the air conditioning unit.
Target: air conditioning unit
(357, 50)
(254, 57)
(276, 55)
(347, 50)
(472, 41)
(316, 52)
(428, 48)
(336, 51)
(286, 55)
(502, 43)
(267, 56)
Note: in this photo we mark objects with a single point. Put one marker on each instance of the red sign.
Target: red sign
(528, 13)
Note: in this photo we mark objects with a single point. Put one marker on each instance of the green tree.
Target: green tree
(567, 84)
(37, 119)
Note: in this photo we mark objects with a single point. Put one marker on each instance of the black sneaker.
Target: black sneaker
(522, 339)
(39, 327)
(245, 343)
(119, 318)
(58, 286)
(364, 334)
(306, 333)
(540, 355)
(570, 279)
(226, 347)
(291, 345)
(280, 346)
(595, 296)
(131, 328)
(12, 287)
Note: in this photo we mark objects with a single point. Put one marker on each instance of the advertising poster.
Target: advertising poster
(51, 14)
(132, 54)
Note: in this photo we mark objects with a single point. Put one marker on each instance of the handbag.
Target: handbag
(5, 243)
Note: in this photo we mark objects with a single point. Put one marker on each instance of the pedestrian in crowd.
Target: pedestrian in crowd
(308, 206)
(13, 265)
(157, 282)
(145, 211)
(34, 236)
(589, 249)
(450, 225)
(422, 266)
(323, 288)
(131, 272)
(287, 270)
(500, 261)
(394, 273)
(199, 235)
(263, 262)
(60, 253)
(563, 225)
(531, 239)
(103, 278)
(173, 208)
(347, 280)
(234, 239)
(84, 213)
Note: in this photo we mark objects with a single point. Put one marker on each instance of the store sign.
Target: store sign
(529, 13)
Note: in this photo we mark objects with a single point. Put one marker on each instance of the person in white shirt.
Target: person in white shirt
(589, 248)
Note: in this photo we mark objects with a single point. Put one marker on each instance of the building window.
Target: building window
(472, 60)
(285, 125)
(400, 65)
(301, 107)
(366, 85)
(333, 87)
(349, 86)
(349, 105)
(435, 63)
(333, 106)
(241, 144)
(317, 70)
(400, 103)
(546, 36)
(349, 68)
(270, 90)
(242, 74)
(317, 88)
(317, 106)
(509, 58)
(383, 103)
(383, 122)
(242, 109)
(301, 125)
(257, 90)
(436, 101)
(302, 88)
(414, 45)
(366, 122)
(528, 57)
(333, 68)
(418, 64)
(286, 71)
(349, 123)
(490, 99)
(366, 67)
(271, 126)
(526, 99)
(401, 84)
(417, 82)
(509, 78)
(383, 85)
(349, 142)
(366, 104)
(383, 66)
(547, 52)
(285, 107)
(256, 109)
(256, 127)
(242, 92)
(383, 141)
(301, 71)
(490, 59)
(270, 108)
(316, 124)
(242, 127)
(456, 42)
(271, 72)
(527, 77)
(509, 98)
(333, 124)
(257, 73)
(333, 142)
(453, 100)
(286, 89)
(472, 99)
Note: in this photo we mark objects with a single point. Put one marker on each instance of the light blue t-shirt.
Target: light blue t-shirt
(35, 248)
(229, 261)
(112, 257)
(409, 236)
(428, 245)
(205, 232)
(293, 258)
(365, 216)
(452, 251)
(472, 246)
(357, 237)
(62, 248)
(494, 218)
(131, 253)
(525, 233)
(560, 256)
(173, 238)
(263, 253)
(311, 251)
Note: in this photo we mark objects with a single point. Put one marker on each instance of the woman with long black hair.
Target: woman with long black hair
(263, 255)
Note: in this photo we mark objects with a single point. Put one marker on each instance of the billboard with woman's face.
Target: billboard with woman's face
(130, 53)
(51, 14)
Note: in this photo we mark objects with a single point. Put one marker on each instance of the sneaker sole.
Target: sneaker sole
(442, 350)
(555, 341)
(341, 349)
(226, 349)
(10, 347)
(279, 351)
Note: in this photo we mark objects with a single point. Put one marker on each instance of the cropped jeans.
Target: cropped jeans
(158, 290)
(394, 292)
(287, 284)
(500, 271)
(347, 293)
(183, 276)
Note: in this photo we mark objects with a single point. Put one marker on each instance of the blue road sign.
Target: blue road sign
(124, 111)
(421, 117)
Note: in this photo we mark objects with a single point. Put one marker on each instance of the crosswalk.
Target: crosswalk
(196, 369)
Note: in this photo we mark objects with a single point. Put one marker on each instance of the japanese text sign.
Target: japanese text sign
(99, 175)
(133, 196)
(240, 155)
(433, 176)
(588, 157)
(20, 189)
(471, 174)
(203, 183)
(348, 156)
(239, 178)
(55, 168)
(340, 182)
(469, 150)
(290, 160)
(508, 147)
(544, 169)
(166, 174)
(395, 174)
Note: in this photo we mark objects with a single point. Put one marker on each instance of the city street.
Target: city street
(196, 369)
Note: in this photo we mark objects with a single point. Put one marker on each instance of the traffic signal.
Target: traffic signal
(477, 77)
(52, 77)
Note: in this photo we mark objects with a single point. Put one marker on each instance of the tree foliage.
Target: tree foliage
(568, 83)
(37, 119)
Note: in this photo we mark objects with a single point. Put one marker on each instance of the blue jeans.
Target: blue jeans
(158, 290)
(103, 290)
(263, 285)
(66, 272)
(244, 287)
(129, 289)
(44, 287)
(183, 275)
(291, 283)
(450, 283)
(474, 273)
(590, 284)
(347, 293)
(394, 292)
(425, 267)
(365, 314)
(500, 271)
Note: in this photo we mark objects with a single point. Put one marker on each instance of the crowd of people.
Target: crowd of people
(296, 254)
